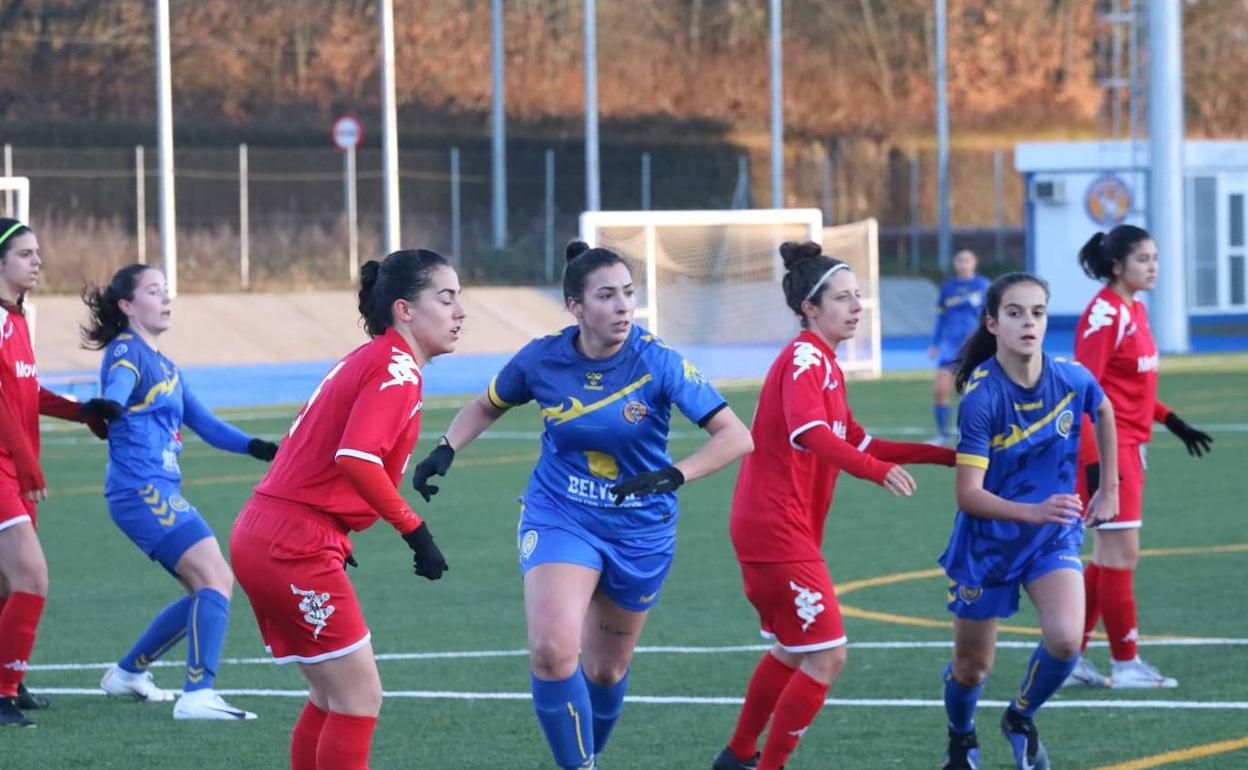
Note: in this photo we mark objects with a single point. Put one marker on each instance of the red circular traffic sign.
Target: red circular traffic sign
(348, 132)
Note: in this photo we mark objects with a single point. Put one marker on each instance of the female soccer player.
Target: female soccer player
(804, 434)
(1019, 523)
(337, 472)
(147, 403)
(957, 314)
(598, 523)
(23, 571)
(1113, 341)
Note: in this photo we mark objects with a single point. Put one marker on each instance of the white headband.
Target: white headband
(825, 277)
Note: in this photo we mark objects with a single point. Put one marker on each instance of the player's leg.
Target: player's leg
(769, 679)
(608, 640)
(974, 650)
(26, 572)
(349, 688)
(942, 390)
(306, 734)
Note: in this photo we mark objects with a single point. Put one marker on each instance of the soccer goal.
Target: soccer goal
(709, 281)
(15, 198)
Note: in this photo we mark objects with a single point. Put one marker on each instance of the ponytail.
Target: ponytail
(982, 344)
(1103, 250)
(105, 320)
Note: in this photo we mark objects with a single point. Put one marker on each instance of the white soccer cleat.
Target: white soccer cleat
(120, 683)
(1085, 675)
(206, 704)
(1138, 675)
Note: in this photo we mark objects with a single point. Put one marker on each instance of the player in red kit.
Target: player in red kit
(23, 571)
(1114, 343)
(804, 436)
(337, 471)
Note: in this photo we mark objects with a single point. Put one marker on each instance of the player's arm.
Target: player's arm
(219, 433)
(1197, 441)
(471, 421)
(977, 501)
(1104, 503)
(30, 481)
(62, 408)
(729, 440)
(906, 452)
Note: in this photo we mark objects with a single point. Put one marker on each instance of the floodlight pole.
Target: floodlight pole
(498, 138)
(1165, 128)
(942, 136)
(389, 131)
(164, 133)
(777, 107)
(592, 186)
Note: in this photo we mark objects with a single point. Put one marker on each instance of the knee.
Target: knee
(605, 673)
(1065, 646)
(552, 658)
(826, 665)
(971, 670)
(31, 578)
(210, 572)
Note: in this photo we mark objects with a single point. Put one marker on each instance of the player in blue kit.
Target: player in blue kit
(1019, 523)
(598, 521)
(957, 316)
(147, 403)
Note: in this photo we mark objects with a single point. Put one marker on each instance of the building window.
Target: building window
(1235, 218)
(1205, 237)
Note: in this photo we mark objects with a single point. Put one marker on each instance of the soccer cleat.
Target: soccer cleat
(206, 704)
(120, 683)
(1085, 675)
(1020, 731)
(12, 716)
(963, 752)
(1138, 675)
(29, 701)
(728, 761)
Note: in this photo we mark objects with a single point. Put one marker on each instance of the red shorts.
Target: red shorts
(1132, 462)
(290, 563)
(796, 604)
(14, 509)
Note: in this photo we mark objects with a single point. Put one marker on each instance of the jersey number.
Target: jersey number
(312, 398)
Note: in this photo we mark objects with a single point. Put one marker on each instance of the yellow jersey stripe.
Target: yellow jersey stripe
(1015, 434)
(165, 386)
(128, 365)
(975, 461)
(492, 394)
(561, 414)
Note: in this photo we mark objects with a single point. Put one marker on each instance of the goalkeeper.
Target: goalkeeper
(598, 521)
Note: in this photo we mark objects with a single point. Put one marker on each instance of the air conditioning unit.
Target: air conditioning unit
(1048, 190)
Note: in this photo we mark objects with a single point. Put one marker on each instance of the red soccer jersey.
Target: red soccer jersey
(1114, 343)
(783, 491)
(19, 386)
(367, 407)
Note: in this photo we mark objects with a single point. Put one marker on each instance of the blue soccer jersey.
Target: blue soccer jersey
(1027, 441)
(606, 420)
(145, 442)
(957, 314)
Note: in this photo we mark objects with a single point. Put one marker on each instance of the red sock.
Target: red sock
(766, 683)
(1117, 597)
(345, 741)
(1092, 613)
(305, 736)
(18, 622)
(798, 705)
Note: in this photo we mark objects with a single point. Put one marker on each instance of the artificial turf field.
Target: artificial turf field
(452, 652)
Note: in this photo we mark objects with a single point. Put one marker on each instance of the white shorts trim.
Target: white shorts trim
(13, 522)
(804, 647)
(1120, 525)
(793, 436)
(323, 656)
(357, 454)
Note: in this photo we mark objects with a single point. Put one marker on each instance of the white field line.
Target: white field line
(689, 700)
(660, 650)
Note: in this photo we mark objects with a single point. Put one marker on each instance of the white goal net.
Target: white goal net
(709, 281)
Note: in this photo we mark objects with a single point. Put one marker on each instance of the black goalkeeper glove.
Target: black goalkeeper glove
(262, 450)
(350, 562)
(1092, 475)
(102, 408)
(427, 559)
(1197, 441)
(649, 483)
(437, 463)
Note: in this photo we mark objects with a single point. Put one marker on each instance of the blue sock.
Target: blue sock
(941, 413)
(960, 702)
(165, 630)
(206, 623)
(608, 702)
(564, 711)
(1045, 674)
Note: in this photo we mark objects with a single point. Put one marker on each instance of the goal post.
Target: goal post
(15, 198)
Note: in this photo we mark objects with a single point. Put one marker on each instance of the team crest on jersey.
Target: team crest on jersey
(1065, 421)
(315, 607)
(807, 603)
(179, 503)
(635, 411)
(528, 543)
(593, 380)
(805, 355)
(120, 351)
(403, 369)
(968, 594)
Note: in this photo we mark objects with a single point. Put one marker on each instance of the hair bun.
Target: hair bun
(792, 253)
(368, 274)
(575, 249)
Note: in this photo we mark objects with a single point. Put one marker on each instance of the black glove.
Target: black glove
(1092, 475)
(102, 408)
(1197, 441)
(649, 483)
(437, 463)
(350, 562)
(262, 450)
(427, 559)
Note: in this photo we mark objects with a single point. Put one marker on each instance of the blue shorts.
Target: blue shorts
(1000, 600)
(947, 357)
(633, 571)
(159, 520)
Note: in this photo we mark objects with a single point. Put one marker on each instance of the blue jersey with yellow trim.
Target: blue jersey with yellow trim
(1027, 440)
(957, 312)
(605, 420)
(145, 442)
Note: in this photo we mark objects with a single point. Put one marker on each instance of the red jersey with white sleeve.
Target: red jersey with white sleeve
(19, 390)
(1114, 343)
(367, 408)
(784, 490)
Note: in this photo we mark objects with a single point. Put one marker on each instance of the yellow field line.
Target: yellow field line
(1181, 755)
